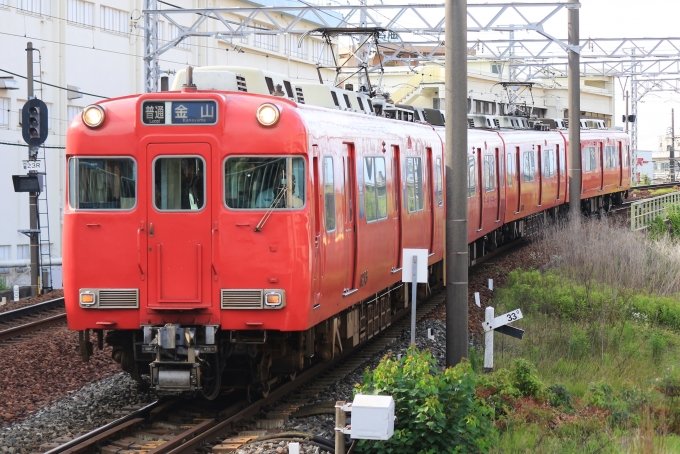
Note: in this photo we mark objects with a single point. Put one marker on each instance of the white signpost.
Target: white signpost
(500, 324)
(35, 166)
(414, 270)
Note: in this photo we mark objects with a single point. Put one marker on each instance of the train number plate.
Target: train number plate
(188, 112)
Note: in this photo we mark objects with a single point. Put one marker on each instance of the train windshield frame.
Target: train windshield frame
(260, 182)
(102, 183)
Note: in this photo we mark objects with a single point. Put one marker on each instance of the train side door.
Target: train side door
(349, 169)
(499, 164)
(397, 207)
(480, 191)
(431, 195)
(602, 168)
(620, 166)
(558, 166)
(518, 167)
(179, 226)
(540, 175)
(317, 207)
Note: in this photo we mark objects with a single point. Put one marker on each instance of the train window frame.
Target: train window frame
(439, 181)
(256, 209)
(528, 164)
(589, 159)
(509, 169)
(153, 182)
(75, 189)
(419, 202)
(549, 163)
(373, 169)
(489, 172)
(472, 172)
(326, 184)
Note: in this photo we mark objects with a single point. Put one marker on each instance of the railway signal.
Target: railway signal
(502, 325)
(34, 122)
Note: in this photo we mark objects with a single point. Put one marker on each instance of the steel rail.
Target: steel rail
(7, 316)
(30, 326)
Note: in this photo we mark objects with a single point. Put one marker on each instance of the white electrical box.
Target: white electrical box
(372, 417)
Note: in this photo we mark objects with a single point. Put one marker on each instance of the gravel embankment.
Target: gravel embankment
(11, 305)
(80, 412)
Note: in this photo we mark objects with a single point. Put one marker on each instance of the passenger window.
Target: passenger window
(472, 186)
(179, 183)
(414, 184)
(255, 182)
(102, 184)
(589, 161)
(375, 189)
(489, 173)
(438, 182)
(329, 193)
(509, 170)
(549, 163)
(529, 166)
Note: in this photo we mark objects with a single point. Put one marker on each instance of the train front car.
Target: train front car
(162, 189)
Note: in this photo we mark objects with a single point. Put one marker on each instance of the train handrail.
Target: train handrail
(642, 213)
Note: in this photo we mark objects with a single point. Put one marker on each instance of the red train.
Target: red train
(224, 238)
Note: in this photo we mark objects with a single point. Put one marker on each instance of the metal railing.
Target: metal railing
(642, 213)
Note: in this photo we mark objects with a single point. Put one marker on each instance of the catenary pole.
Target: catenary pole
(32, 196)
(574, 83)
(672, 150)
(456, 182)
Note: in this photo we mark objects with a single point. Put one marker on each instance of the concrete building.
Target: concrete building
(98, 47)
(661, 160)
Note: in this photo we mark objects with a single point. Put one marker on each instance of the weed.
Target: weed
(560, 397)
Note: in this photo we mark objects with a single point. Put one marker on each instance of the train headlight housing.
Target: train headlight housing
(93, 116)
(268, 114)
(87, 299)
(273, 299)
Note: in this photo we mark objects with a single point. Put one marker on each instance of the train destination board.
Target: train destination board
(179, 112)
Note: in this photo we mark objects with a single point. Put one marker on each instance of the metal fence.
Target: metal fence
(642, 213)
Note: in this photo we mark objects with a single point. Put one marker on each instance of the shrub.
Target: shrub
(658, 345)
(600, 395)
(658, 228)
(437, 411)
(525, 379)
(560, 397)
(579, 344)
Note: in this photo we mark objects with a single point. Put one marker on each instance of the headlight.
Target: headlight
(268, 114)
(93, 116)
(87, 299)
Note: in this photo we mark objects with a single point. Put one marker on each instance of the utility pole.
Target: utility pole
(32, 196)
(456, 182)
(574, 84)
(672, 150)
(627, 98)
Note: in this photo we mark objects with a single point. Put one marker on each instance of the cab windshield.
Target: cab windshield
(264, 182)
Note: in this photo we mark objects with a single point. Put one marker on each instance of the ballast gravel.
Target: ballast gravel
(80, 412)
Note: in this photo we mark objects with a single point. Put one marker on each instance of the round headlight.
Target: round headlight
(93, 116)
(268, 114)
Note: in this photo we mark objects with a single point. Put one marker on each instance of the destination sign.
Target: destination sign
(179, 112)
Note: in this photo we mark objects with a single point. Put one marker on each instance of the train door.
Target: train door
(180, 248)
(518, 166)
(480, 178)
(396, 166)
(620, 166)
(558, 166)
(317, 207)
(350, 218)
(540, 175)
(602, 168)
(430, 204)
(499, 163)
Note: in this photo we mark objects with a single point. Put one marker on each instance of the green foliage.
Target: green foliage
(658, 228)
(437, 411)
(579, 344)
(526, 380)
(658, 345)
(559, 396)
(674, 220)
(3, 284)
(476, 358)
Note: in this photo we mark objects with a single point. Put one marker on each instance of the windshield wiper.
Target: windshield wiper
(265, 216)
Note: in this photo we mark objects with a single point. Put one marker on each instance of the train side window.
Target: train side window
(414, 184)
(349, 104)
(472, 177)
(489, 173)
(529, 166)
(549, 163)
(335, 98)
(329, 193)
(102, 183)
(508, 169)
(179, 183)
(361, 104)
(375, 189)
(589, 159)
(439, 182)
(255, 182)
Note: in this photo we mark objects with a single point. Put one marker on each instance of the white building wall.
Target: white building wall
(102, 62)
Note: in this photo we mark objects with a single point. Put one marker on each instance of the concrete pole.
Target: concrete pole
(488, 341)
(574, 84)
(32, 196)
(672, 151)
(456, 183)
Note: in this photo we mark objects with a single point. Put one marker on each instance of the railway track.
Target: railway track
(176, 426)
(20, 322)
(655, 186)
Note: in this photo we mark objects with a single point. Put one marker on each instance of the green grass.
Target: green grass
(612, 349)
(661, 191)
